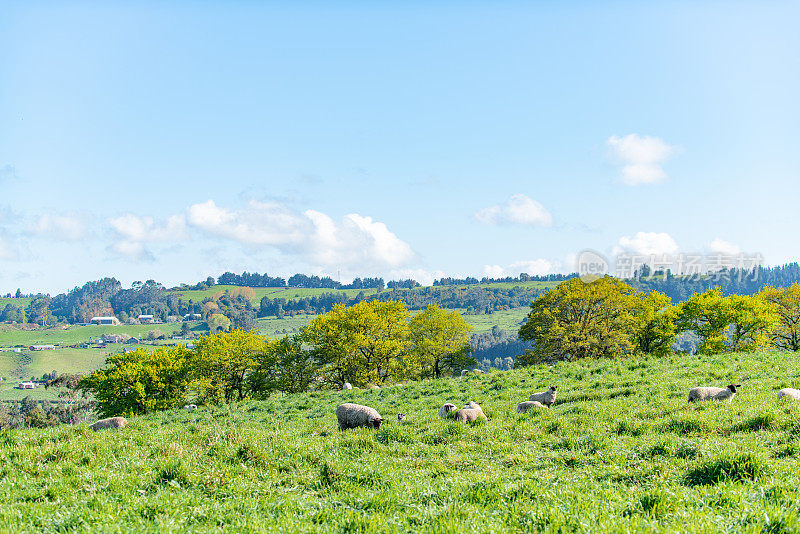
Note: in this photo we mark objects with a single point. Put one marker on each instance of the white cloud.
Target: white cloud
(519, 209)
(67, 227)
(641, 158)
(725, 248)
(356, 242)
(7, 252)
(538, 267)
(646, 244)
(133, 233)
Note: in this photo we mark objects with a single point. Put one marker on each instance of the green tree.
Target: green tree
(38, 418)
(655, 324)
(282, 365)
(786, 302)
(140, 381)
(753, 319)
(222, 362)
(218, 323)
(581, 320)
(440, 341)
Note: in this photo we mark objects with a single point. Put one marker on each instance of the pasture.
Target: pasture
(620, 450)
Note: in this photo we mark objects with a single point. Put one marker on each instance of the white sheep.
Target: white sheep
(352, 415)
(347, 386)
(190, 407)
(789, 392)
(523, 407)
(712, 393)
(545, 397)
(446, 410)
(470, 413)
(465, 372)
(111, 422)
(479, 371)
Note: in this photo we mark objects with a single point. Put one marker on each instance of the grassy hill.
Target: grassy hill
(620, 450)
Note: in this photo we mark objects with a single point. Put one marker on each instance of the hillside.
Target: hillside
(620, 450)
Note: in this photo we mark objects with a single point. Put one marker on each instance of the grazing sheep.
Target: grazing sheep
(355, 415)
(470, 413)
(789, 392)
(479, 371)
(190, 407)
(712, 393)
(401, 417)
(111, 422)
(373, 386)
(446, 410)
(347, 386)
(545, 397)
(465, 372)
(523, 407)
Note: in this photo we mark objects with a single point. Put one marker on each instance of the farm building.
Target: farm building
(192, 317)
(146, 319)
(43, 347)
(105, 320)
(111, 338)
(26, 385)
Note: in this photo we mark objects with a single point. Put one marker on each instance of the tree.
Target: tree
(74, 403)
(655, 324)
(140, 381)
(218, 323)
(786, 302)
(737, 322)
(222, 363)
(580, 320)
(282, 365)
(366, 343)
(440, 341)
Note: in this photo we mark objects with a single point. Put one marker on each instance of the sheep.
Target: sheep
(789, 392)
(190, 407)
(465, 372)
(712, 393)
(545, 397)
(347, 386)
(401, 418)
(355, 415)
(470, 413)
(111, 422)
(523, 407)
(373, 386)
(446, 410)
(479, 371)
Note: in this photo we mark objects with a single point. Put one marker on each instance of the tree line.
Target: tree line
(371, 343)
(609, 317)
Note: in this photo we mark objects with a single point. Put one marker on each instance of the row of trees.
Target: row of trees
(369, 343)
(609, 317)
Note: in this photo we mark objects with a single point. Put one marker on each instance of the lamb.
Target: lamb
(470, 413)
(446, 410)
(111, 422)
(789, 392)
(523, 407)
(545, 397)
(401, 418)
(190, 407)
(347, 386)
(712, 393)
(355, 415)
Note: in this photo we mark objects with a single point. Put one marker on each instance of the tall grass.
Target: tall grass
(621, 450)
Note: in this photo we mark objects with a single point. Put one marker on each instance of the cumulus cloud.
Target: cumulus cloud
(423, 276)
(647, 244)
(354, 242)
(519, 209)
(641, 158)
(725, 248)
(538, 267)
(67, 227)
(134, 233)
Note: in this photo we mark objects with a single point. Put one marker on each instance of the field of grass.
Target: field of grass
(11, 336)
(508, 320)
(621, 450)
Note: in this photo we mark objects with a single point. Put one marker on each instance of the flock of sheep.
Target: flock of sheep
(352, 415)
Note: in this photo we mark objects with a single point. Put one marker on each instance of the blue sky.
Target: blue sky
(143, 140)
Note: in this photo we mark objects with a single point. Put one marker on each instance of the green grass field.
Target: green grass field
(11, 335)
(620, 451)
